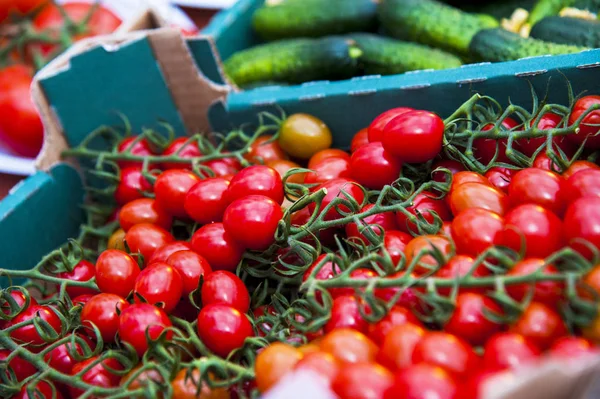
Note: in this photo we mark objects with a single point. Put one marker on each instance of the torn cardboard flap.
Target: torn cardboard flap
(191, 92)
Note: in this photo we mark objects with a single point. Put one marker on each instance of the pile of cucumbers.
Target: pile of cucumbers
(309, 40)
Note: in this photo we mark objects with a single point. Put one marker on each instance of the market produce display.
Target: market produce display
(402, 35)
(438, 250)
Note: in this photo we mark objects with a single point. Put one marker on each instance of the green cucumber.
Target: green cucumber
(547, 8)
(386, 56)
(433, 23)
(568, 30)
(501, 45)
(314, 18)
(294, 61)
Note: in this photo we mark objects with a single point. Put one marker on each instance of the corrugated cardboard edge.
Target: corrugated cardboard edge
(191, 91)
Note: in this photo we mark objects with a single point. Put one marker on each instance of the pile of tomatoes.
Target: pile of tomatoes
(387, 271)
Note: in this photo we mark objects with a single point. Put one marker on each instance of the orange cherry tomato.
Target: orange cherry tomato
(427, 263)
(478, 195)
(263, 151)
(273, 363)
(348, 345)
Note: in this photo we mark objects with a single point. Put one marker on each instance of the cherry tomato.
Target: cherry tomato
(395, 243)
(475, 230)
(446, 351)
(477, 195)
(543, 161)
(547, 121)
(532, 230)
(462, 177)
(184, 150)
(256, 180)
(540, 324)
(159, 282)
(589, 125)
(223, 328)
(424, 204)
(500, 177)
(540, 187)
(508, 350)
(142, 379)
(134, 146)
(264, 149)
(548, 292)
(582, 222)
(205, 202)
(349, 346)
(485, 149)
(346, 313)
(362, 381)
(103, 310)
(423, 381)
(453, 166)
(163, 253)
(303, 135)
(282, 166)
(577, 166)
(397, 348)
(592, 331)
(470, 321)
(146, 238)
(224, 167)
(374, 167)
(361, 138)
(116, 272)
(190, 267)
(39, 390)
(61, 357)
(322, 365)
(397, 315)
(459, 266)
(131, 185)
(99, 375)
(408, 296)
(252, 221)
(572, 347)
(20, 301)
(28, 334)
(328, 169)
(185, 386)
(591, 284)
(20, 126)
(171, 188)
(143, 210)
(225, 288)
(377, 127)
(327, 153)
(380, 223)
(19, 7)
(477, 385)
(326, 271)
(273, 363)
(81, 300)
(140, 319)
(428, 243)
(334, 190)
(117, 240)
(584, 183)
(82, 271)
(217, 246)
(20, 367)
(415, 136)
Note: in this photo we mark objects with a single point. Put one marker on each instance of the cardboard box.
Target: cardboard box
(153, 76)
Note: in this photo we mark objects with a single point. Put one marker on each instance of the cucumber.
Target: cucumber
(502, 45)
(433, 23)
(547, 8)
(294, 61)
(314, 18)
(386, 56)
(568, 30)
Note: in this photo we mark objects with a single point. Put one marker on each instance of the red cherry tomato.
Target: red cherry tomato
(224, 167)
(585, 183)
(217, 246)
(256, 180)
(39, 390)
(20, 126)
(589, 125)
(543, 161)
(163, 253)
(61, 357)
(82, 271)
(362, 381)
(446, 351)
(184, 150)
(146, 238)
(206, 202)
(500, 177)
(334, 190)
(376, 128)
(81, 300)
(415, 136)
(374, 167)
(540, 324)
(252, 221)
(427, 243)
(345, 313)
(535, 228)
(572, 347)
(379, 222)
(361, 138)
(424, 204)
(453, 166)
(134, 146)
(398, 345)
(102, 310)
(99, 374)
(159, 282)
(28, 334)
(265, 149)
(171, 188)
(19, 8)
(475, 230)
(327, 169)
(225, 288)
(577, 166)
(131, 185)
(470, 318)
(223, 328)
(395, 243)
(191, 268)
(20, 301)
(423, 381)
(537, 186)
(140, 319)
(459, 266)
(548, 121)
(508, 350)
(143, 210)
(20, 367)
(485, 149)
(325, 271)
(462, 177)
(548, 292)
(398, 315)
(582, 222)
(478, 195)
(116, 272)
(327, 153)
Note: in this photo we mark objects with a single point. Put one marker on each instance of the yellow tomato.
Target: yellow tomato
(303, 135)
